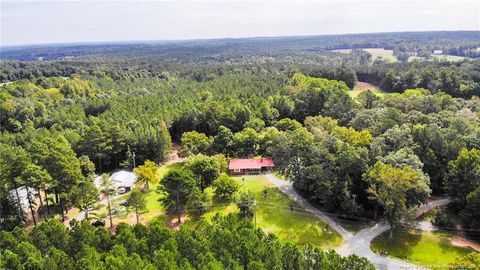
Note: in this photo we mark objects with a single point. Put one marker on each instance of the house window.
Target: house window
(236, 170)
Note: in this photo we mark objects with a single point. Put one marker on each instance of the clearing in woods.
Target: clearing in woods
(449, 58)
(376, 53)
(364, 86)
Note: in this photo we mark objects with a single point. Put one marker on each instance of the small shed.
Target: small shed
(250, 166)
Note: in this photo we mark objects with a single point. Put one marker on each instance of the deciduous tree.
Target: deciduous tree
(204, 168)
(225, 187)
(388, 188)
(147, 174)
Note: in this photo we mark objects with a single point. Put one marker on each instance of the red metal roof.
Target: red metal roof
(250, 163)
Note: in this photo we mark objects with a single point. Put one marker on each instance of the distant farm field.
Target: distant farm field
(449, 58)
(443, 57)
(387, 55)
(376, 53)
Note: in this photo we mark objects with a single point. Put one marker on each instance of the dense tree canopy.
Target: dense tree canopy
(379, 153)
(226, 243)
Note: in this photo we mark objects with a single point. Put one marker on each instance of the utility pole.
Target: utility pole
(255, 213)
(133, 157)
(177, 208)
(109, 209)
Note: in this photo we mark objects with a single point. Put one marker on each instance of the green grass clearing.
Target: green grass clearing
(274, 216)
(363, 86)
(413, 58)
(154, 207)
(422, 248)
(449, 58)
(355, 92)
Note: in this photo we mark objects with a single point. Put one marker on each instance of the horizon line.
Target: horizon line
(119, 42)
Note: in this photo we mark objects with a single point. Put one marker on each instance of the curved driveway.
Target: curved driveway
(358, 244)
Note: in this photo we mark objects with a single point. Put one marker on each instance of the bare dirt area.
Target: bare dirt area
(460, 240)
(173, 156)
(364, 85)
(174, 224)
(464, 242)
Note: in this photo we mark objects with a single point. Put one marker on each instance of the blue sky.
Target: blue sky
(44, 21)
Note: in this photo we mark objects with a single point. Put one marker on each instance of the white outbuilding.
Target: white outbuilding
(23, 196)
(122, 179)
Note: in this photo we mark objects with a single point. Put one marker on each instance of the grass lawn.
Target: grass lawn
(273, 212)
(422, 248)
(274, 215)
(449, 58)
(387, 55)
(413, 58)
(154, 208)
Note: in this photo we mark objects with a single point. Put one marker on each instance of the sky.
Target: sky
(67, 21)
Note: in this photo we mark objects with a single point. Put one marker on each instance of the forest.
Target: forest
(226, 243)
(376, 155)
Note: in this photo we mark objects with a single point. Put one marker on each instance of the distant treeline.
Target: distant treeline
(462, 43)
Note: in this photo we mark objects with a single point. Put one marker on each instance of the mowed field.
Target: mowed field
(422, 248)
(376, 53)
(274, 215)
(388, 56)
(449, 58)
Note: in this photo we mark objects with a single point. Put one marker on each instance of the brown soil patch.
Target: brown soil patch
(463, 242)
(364, 85)
(174, 224)
(173, 156)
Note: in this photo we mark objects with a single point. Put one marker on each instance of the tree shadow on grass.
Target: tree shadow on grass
(401, 245)
(448, 248)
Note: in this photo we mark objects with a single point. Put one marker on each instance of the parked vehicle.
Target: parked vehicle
(99, 223)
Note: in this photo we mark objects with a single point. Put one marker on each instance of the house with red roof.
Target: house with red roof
(250, 166)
